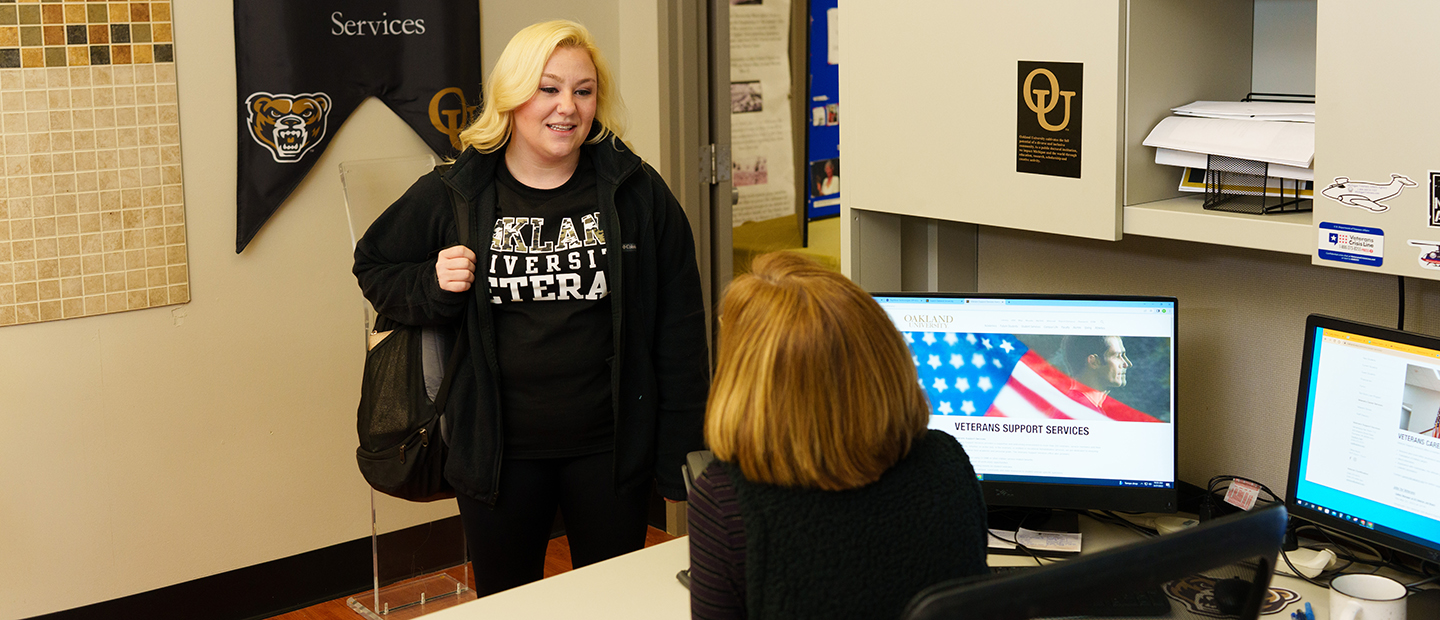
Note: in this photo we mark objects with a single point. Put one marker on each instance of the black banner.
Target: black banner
(1048, 118)
(303, 67)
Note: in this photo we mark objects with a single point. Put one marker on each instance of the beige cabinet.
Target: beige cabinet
(1377, 82)
(932, 89)
(931, 93)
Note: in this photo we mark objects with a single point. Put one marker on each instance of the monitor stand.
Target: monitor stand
(1061, 523)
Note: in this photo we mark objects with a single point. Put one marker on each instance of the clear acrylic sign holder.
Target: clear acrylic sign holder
(370, 186)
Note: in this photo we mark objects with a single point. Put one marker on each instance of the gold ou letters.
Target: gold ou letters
(1040, 105)
(455, 118)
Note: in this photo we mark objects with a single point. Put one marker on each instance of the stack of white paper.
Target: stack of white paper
(1280, 134)
(1288, 144)
(1190, 159)
(1250, 110)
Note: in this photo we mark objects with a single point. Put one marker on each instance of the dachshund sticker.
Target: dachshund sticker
(1366, 195)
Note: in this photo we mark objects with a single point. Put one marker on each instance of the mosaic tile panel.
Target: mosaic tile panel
(71, 33)
(92, 219)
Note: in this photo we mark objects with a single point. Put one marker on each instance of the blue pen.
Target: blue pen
(1309, 613)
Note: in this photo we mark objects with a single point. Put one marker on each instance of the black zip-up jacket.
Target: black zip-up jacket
(660, 375)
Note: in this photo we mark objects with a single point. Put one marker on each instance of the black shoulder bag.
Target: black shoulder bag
(402, 399)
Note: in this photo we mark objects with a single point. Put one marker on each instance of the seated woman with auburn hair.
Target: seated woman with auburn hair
(828, 497)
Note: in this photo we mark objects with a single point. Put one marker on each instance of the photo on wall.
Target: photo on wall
(746, 97)
(825, 177)
(755, 171)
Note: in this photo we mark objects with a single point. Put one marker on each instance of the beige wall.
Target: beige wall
(159, 446)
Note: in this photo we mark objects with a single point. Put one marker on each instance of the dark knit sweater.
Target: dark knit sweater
(660, 372)
(861, 553)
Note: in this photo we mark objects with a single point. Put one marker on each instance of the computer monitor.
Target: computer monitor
(1366, 456)
(1061, 401)
(1219, 569)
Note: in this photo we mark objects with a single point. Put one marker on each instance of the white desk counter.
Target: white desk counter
(635, 586)
(642, 585)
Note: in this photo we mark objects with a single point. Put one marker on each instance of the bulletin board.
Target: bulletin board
(822, 151)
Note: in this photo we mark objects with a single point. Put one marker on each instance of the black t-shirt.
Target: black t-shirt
(550, 296)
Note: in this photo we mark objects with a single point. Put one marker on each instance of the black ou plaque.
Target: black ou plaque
(1050, 96)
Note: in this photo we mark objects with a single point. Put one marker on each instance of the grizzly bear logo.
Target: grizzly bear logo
(1197, 592)
(288, 125)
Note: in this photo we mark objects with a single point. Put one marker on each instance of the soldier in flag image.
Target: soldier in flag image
(1097, 365)
(1083, 378)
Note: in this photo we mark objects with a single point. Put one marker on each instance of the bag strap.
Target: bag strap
(461, 209)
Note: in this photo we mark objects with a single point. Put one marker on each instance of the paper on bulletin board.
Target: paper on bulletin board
(832, 32)
(762, 151)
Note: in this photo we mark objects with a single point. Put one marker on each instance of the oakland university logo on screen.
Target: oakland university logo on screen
(930, 321)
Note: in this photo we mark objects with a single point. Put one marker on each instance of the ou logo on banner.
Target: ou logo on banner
(455, 117)
(1045, 100)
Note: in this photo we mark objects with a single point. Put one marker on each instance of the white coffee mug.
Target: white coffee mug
(1366, 597)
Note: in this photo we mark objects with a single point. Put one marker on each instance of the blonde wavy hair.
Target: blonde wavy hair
(813, 387)
(516, 78)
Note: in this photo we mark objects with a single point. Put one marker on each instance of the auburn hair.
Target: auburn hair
(813, 387)
(516, 78)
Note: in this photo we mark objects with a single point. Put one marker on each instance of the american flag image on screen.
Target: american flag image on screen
(997, 375)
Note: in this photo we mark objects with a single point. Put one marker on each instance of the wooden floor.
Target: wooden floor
(557, 560)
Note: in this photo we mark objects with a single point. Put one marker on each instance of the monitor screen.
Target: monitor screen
(1366, 457)
(1060, 401)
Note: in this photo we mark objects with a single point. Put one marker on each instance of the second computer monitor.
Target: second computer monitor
(1366, 456)
(1061, 401)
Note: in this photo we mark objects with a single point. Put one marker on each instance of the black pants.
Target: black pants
(507, 541)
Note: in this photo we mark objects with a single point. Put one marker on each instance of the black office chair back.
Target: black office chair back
(694, 465)
(1221, 566)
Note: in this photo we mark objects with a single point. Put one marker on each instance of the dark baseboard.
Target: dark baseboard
(291, 583)
(299, 581)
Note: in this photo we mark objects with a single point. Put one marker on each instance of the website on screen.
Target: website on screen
(1372, 450)
(1073, 391)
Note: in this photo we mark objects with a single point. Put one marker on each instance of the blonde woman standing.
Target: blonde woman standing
(587, 374)
(829, 498)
